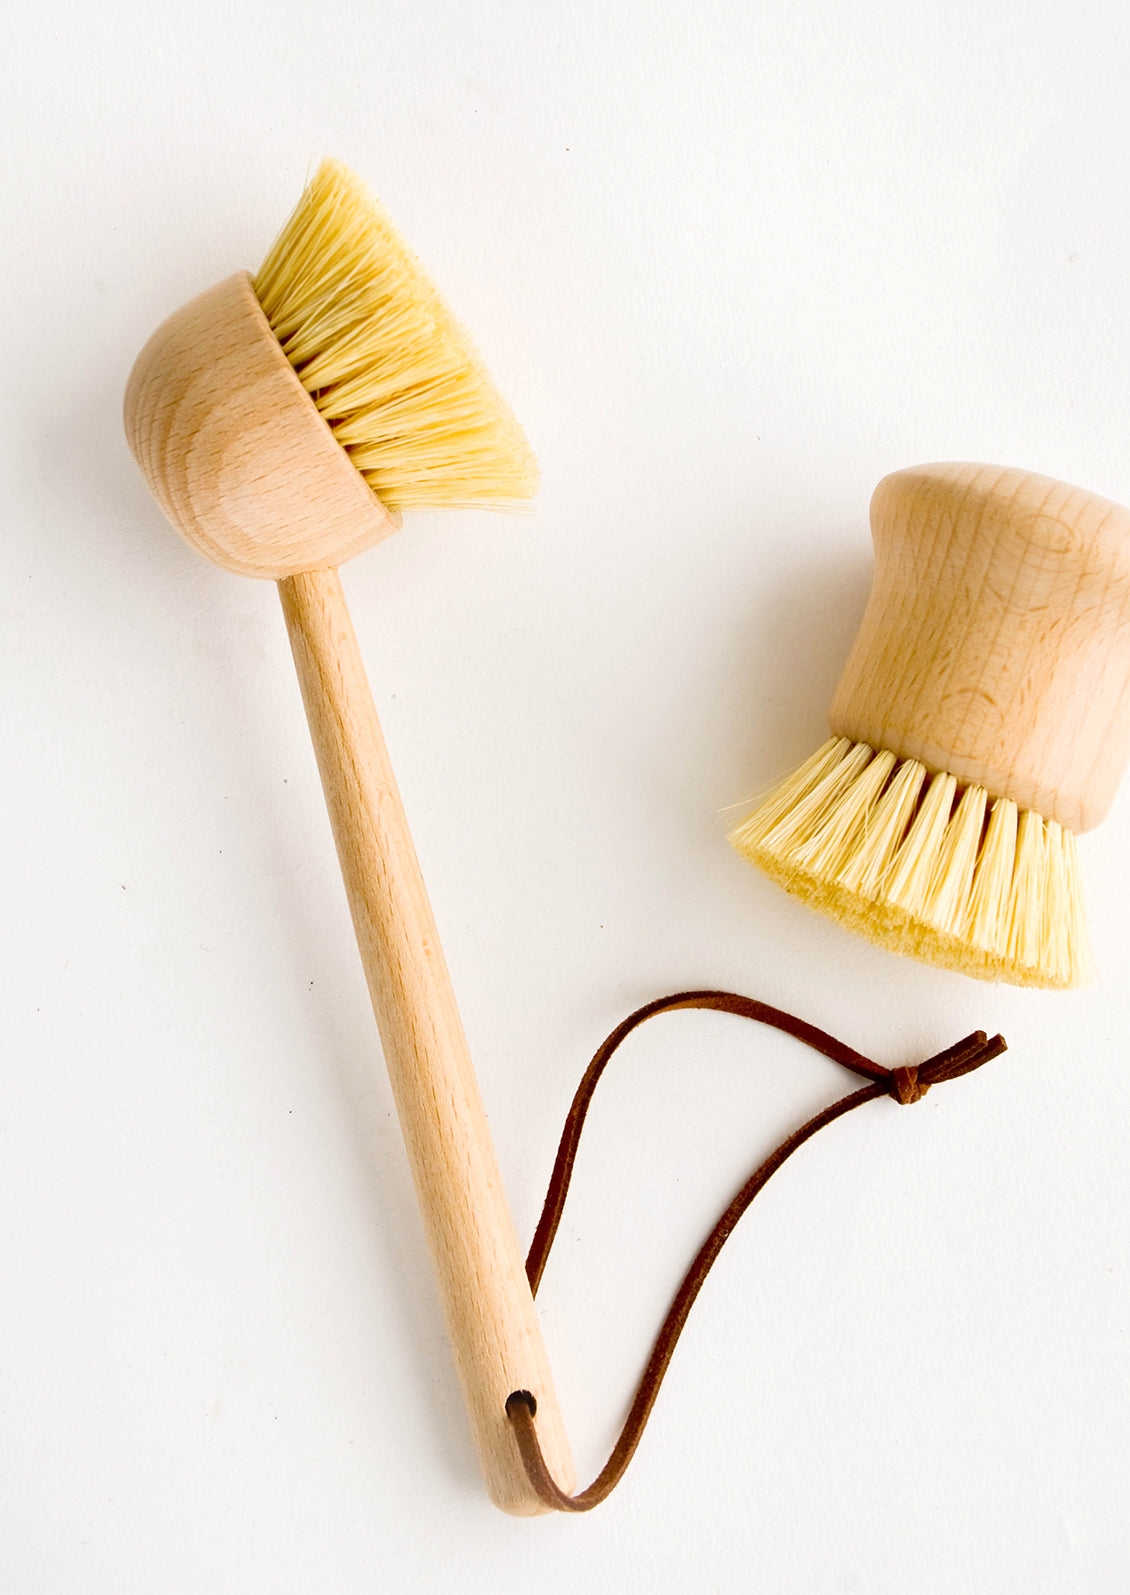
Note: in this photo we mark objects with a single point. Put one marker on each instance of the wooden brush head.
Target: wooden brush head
(996, 641)
(234, 449)
(283, 423)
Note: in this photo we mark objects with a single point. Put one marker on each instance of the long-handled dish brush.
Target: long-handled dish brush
(982, 720)
(282, 421)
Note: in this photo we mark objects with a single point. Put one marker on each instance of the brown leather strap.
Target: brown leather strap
(905, 1085)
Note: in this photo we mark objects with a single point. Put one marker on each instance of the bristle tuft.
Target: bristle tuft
(383, 359)
(867, 839)
(914, 864)
(986, 925)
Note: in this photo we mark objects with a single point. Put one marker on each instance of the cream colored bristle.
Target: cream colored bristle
(867, 870)
(864, 838)
(987, 924)
(1075, 949)
(383, 359)
(808, 812)
(1056, 890)
(1029, 888)
(913, 868)
(835, 841)
(947, 898)
(787, 795)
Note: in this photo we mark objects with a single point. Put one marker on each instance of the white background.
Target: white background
(732, 264)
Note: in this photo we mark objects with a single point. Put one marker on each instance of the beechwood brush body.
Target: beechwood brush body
(983, 718)
(281, 422)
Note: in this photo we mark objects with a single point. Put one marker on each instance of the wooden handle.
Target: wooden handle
(996, 641)
(489, 1309)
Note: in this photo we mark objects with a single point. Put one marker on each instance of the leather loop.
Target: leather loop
(905, 1084)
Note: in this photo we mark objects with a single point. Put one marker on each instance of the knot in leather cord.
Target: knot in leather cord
(908, 1083)
(906, 1086)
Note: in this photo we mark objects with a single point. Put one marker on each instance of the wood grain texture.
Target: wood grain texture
(252, 476)
(996, 640)
(490, 1312)
(234, 448)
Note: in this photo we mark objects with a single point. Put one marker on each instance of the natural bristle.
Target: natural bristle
(387, 365)
(958, 879)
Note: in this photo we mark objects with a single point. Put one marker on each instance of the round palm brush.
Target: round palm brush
(982, 720)
(281, 422)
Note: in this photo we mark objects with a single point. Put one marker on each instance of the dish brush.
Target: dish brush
(283, 422)
(982, 721)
